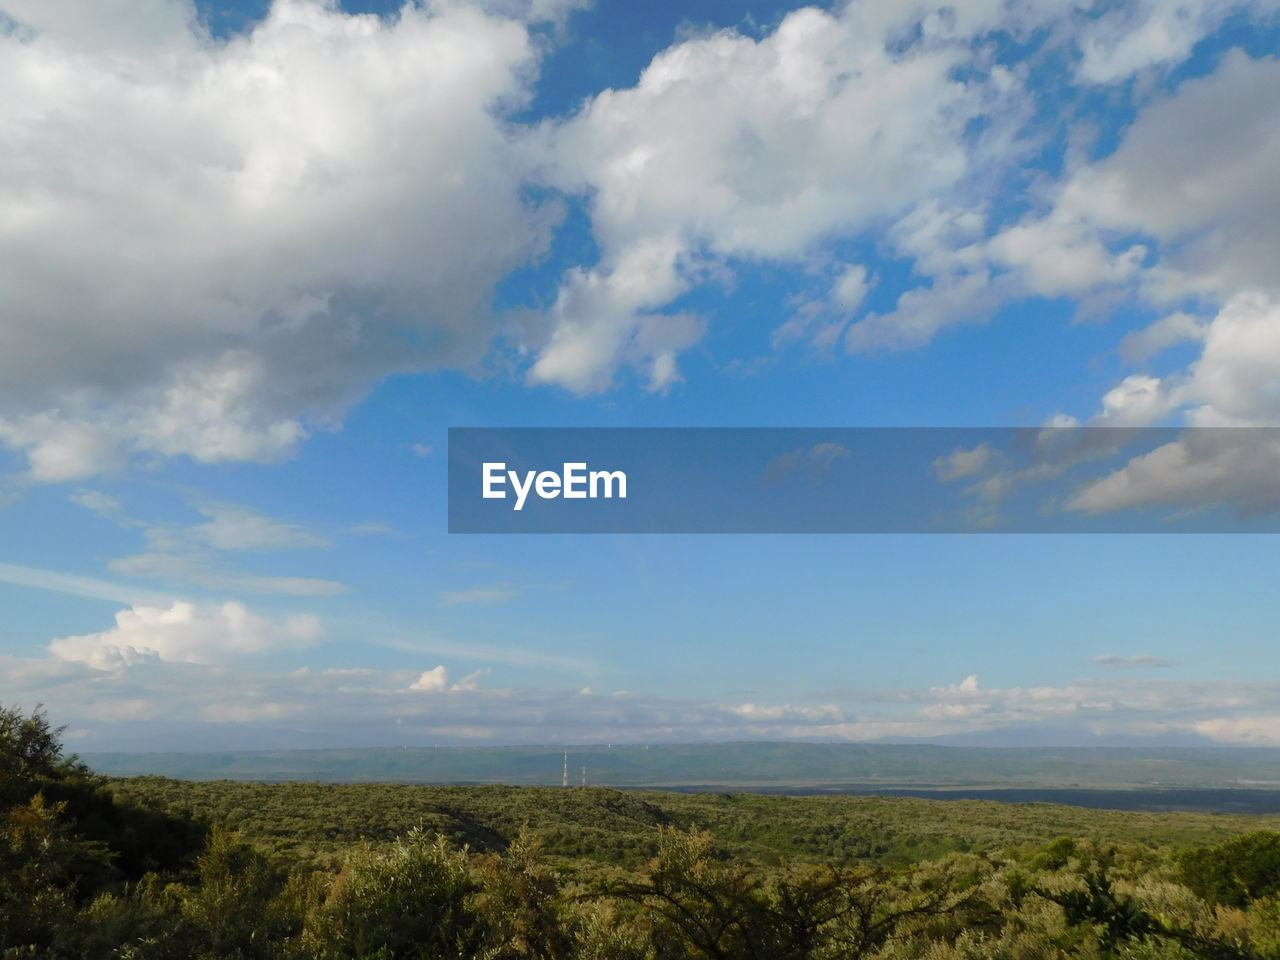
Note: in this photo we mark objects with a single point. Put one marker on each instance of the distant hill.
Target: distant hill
(771, 767)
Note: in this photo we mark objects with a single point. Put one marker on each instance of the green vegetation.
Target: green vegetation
(593, 825)
(153, 869)
(1237, 872)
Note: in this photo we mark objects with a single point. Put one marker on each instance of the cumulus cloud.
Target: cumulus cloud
(185, 633)
(1204, 468)
(1182, 213)
(1196, 175)
(1135, 36)
(1137, 401)
(431, 681)
(210, 248)
(1236, 379)
(731, 147)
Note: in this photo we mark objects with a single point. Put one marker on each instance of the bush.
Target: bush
(1237, 872)
(409, 903)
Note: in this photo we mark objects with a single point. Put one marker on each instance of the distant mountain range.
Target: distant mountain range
(735, 766)
(1038, 735)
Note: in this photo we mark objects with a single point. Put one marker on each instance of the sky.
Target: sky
(257, 258)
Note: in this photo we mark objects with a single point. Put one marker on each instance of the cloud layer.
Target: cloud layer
(159, 667)
(212, 247)
(208, 246)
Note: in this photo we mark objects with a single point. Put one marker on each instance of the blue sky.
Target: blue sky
(257, 258)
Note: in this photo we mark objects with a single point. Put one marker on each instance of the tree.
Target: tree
(412, 902)
(701, 906)
(1234, 873)
(30, 753)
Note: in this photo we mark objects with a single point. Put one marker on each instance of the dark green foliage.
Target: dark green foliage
(1119, 919)
(1056, 855)
(701, 906)
(317, 822)
(523, 902)
(30, 754)
(1237, 872)
(1096, 904)
(411, 902)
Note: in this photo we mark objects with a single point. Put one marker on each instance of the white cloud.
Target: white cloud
(1137, 401)
(233, 527)
(97, 502)
(185, 633)
(963, 462)
(74, 585)
(1254, 730)
(1203, 468)
(192, 554)
(432, 681)
(732, 147)
(436, 680)
(1133, 36)
(788, 712)
(363, 707)
(59, 449)
(1236, 379)
(1233, 384)
(470, 682)
(182, 565)
(813, 462)
(121, 26)
(211, 247)
(1169, 331)
(851, 287)
(1197, 172)
(1183, 211)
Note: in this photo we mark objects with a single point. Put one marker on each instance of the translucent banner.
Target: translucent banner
(864, 480)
